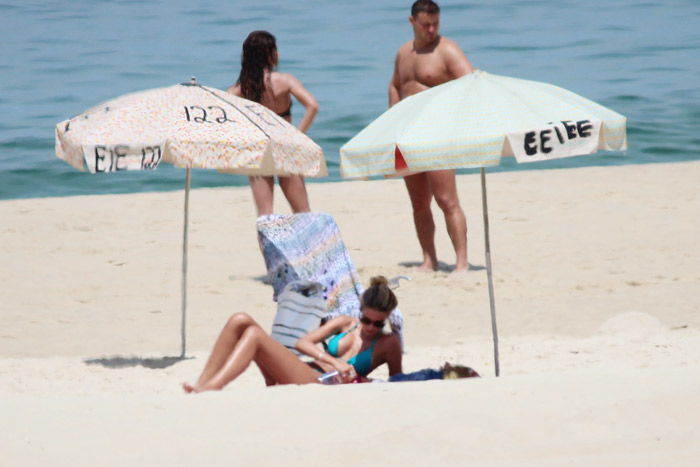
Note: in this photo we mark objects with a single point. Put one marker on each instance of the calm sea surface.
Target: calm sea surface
(57, 59)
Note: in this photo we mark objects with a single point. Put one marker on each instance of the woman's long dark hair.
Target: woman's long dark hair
(258, 49)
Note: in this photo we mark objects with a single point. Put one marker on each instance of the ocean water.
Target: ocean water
(57, 59)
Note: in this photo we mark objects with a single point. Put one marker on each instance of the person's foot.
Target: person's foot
(457, 273)
(189, 389)
(429, 265)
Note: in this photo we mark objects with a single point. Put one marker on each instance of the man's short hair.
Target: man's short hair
(424, 6)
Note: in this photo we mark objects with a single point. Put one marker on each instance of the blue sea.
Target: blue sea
(57, 59)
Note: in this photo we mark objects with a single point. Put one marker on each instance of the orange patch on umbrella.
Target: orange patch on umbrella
(399, 161)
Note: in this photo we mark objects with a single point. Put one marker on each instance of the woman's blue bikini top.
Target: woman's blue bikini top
(362, 362)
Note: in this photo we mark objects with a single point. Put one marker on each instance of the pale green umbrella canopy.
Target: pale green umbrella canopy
(471, 122)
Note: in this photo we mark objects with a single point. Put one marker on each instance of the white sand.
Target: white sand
(597, 282)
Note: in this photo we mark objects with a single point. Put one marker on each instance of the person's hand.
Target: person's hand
(345, 370)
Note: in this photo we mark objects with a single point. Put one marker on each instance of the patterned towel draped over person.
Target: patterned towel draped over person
(308, 246)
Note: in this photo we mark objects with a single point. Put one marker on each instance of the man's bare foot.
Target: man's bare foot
(429, 265)
(457, 273)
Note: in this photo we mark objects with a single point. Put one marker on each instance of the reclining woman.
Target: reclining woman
(356, 347)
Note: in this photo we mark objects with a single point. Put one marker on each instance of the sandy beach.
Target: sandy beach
(597, 285)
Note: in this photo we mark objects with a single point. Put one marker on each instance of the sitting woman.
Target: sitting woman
(357, 347)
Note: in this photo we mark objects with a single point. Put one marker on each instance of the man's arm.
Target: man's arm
(394, 95)
(457, 63)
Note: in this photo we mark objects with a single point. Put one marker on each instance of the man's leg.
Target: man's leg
(419, 192)
(443, 185)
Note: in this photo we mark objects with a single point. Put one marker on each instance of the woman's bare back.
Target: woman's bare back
(277, 95)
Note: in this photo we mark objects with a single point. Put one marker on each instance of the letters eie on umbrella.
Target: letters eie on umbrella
(189, 126)
(473, 121)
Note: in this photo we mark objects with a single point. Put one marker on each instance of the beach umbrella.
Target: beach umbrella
(473, 121)
(189, 126)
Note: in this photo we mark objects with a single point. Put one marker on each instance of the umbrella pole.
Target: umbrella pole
(184, 260)
(492, 300)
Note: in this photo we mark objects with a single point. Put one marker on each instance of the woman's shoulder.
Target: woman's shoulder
(282, 79)
(342, 322)
(234, 89)
(348, 321)
(389, 340)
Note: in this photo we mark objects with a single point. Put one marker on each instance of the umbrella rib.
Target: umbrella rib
(235, 107)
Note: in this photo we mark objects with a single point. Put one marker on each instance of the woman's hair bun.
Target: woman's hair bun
(379, 295)
(378, 280)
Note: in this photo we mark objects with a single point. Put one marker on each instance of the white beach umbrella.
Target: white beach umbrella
(189, 126)
(473, 121)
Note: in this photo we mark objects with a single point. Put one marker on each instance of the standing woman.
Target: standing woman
(259, 82)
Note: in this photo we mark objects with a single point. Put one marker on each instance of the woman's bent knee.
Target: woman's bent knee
(253, 335)
(239, 320)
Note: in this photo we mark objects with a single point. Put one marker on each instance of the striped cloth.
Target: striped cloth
(300, 308)
(308, 246)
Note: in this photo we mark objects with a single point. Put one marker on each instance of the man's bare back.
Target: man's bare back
(426, 61)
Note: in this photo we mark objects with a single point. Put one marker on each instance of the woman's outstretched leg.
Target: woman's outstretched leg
(281, 365)
(225, 343)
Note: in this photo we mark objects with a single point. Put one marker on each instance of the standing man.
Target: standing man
(426, 61)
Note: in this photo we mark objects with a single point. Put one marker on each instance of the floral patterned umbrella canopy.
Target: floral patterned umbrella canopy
(189, 126)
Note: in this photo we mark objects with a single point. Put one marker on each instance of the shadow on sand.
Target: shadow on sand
(442, 267)
(264, 279)
(128, 362)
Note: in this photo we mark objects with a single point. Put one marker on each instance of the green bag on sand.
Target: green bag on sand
(300, 308)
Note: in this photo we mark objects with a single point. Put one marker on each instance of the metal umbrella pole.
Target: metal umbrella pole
(188, 177)
(492, 300)
(184, 260)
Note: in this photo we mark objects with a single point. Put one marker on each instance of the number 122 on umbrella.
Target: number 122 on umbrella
(122, 157)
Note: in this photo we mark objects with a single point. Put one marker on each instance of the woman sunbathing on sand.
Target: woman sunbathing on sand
(357, 347)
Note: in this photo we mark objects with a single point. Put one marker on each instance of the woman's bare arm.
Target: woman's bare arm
(307, 345)
(393, 355)
(306, 99)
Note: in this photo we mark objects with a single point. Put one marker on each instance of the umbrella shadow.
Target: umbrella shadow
(442, 267)
(117, 362)
(265, 279)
